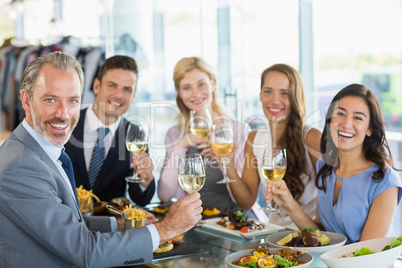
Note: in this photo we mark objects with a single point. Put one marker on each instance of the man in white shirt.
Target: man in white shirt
(115, 89)
(42, 225)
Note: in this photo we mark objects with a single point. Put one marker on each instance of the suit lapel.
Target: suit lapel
(78, 134)
(24, 137)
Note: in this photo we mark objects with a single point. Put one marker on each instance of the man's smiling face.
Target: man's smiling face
(114, 93)
(54, 108)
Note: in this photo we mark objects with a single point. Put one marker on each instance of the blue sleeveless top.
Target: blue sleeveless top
(356, 195)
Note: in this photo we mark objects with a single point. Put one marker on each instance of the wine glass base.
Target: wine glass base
(134, 179)
(225, 181)
(270, 210)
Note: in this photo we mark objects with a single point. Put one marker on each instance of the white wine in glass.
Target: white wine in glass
(273, 174)
(136, 143)
(191, 173)
(222, 148)
(221, 141)
(136, 147)
(191, 183)
(200, 123)
(273, 168)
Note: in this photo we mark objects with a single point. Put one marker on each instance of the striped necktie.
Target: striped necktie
(68, 168)
(98, 156)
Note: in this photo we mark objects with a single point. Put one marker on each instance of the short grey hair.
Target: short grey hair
(58, 60)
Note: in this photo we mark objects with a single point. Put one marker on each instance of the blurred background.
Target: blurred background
(331, 43)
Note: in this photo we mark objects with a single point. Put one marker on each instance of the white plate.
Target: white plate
(237, 255)
(380, 259)
(336, 241)
(268, 228)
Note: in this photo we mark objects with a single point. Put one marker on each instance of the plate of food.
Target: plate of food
(174, 247)
(238, 224)
(374, 253)
(263, 257)
(314, 241)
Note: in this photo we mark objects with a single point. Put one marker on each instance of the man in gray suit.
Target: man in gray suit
(41, 224)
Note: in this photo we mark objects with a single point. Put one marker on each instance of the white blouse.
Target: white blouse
(308, 199)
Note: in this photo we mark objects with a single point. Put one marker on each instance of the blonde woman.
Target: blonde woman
(196, 89)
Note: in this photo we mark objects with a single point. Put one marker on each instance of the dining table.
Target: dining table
(209, 248)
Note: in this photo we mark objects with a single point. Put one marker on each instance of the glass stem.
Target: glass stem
(225, 173)
(134, 173)
(269, 205)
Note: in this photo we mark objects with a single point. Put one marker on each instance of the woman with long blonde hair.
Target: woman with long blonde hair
(196, 89)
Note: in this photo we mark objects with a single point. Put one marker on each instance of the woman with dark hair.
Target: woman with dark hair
(282, 99)
(358, 189)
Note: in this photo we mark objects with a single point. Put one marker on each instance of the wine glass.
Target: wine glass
(273, 168)
(200, 123)
(221, 140)
(136, 143)
(192, 174)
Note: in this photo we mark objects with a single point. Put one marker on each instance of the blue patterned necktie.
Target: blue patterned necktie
(98, 156)
(68, 168)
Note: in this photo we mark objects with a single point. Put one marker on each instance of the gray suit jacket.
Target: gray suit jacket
(40, 222)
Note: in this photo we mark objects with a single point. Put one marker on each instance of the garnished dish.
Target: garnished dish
(164, 247)
(374, 253)
(238, 220)
(265, 257)
(238, 224)
(307, 237)
(365, 251)
(168, 245)
(313, 240)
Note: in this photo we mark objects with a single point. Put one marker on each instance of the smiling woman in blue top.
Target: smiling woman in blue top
(358, 188)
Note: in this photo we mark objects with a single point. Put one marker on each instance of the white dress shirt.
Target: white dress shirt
(91, 125)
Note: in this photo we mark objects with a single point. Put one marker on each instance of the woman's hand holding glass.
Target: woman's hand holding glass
(200, 123)
(273, 168)
(280, 193)
(221, 141)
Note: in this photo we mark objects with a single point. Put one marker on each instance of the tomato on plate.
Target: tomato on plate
(244, 230)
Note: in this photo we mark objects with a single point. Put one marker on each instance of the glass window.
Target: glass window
(353, 44)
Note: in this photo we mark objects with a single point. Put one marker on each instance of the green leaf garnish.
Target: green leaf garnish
(363, 251)
(395, 243)
(308, 229)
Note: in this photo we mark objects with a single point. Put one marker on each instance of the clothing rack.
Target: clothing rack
(14, 59)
